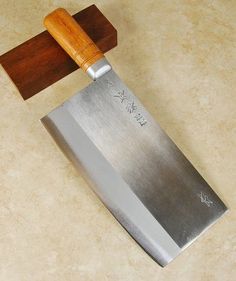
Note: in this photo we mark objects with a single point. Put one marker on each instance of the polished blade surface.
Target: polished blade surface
(163, 201)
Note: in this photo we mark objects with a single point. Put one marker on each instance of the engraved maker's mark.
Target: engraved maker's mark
(121, 96)
(130, 106)
(205, 199)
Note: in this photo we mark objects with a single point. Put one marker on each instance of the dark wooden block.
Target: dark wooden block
(40, 61)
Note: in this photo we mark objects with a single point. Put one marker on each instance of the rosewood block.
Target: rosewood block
(40, 61)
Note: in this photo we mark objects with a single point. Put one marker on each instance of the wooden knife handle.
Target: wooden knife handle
(72, 38)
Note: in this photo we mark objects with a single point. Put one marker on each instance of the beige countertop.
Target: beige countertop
(179, 57)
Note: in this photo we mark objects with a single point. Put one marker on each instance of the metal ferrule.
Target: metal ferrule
(99, 68)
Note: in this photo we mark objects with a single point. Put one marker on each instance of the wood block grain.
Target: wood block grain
(40, 61)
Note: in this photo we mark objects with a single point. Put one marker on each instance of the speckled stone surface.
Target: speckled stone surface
(179, 57)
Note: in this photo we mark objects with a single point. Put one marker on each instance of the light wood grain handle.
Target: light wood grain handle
(72, 38)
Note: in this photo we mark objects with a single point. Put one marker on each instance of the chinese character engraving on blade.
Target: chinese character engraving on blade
(130, 107)
(142, 121)
(205, 199)
(109, 83)
(121, 96)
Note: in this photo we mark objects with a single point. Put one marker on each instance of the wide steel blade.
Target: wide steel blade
(134, 167)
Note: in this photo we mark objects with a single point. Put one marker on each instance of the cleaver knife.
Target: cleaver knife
(129, 161)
